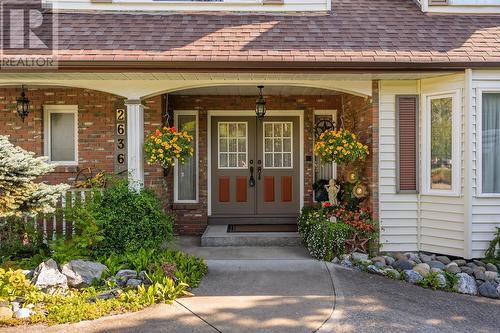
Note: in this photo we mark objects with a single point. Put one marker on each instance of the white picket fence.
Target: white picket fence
(57, 225)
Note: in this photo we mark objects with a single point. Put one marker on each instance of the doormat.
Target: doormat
(262, 228)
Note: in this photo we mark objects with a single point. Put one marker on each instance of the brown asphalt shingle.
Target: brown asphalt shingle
(364, 31)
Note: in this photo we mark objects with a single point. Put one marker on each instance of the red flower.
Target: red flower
(173, 129)
(327, 204)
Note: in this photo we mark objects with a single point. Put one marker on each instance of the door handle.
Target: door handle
(251, 182)
(259, 172)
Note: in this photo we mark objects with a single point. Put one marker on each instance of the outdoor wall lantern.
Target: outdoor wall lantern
(260, 105)
(23, 105)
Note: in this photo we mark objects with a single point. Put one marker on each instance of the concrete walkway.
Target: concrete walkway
(283, 290)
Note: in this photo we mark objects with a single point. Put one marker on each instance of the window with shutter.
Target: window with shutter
(407, 144)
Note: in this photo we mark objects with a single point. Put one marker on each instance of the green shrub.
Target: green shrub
(492, 254)
(20, 239)
(116, 221)
(431, 281)
(451, 280)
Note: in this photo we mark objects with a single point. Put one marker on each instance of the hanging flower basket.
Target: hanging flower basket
(166, 145)
(340, 146)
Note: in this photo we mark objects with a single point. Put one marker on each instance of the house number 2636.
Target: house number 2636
(121, 130)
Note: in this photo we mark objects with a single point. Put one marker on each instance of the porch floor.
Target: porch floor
(218, 235)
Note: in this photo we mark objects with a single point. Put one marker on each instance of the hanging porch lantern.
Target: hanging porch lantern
(260, 105)
(23, 105)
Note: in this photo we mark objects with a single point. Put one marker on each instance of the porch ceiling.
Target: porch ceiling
(140, 85)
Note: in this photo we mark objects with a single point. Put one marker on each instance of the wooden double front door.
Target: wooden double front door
(255, 167)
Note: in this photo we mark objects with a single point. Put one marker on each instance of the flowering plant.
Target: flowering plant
(360, 219)
(340, 146)
(166, 145)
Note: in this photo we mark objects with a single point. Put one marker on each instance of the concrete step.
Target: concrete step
(217, 235)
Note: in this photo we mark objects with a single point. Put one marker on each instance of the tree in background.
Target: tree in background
(20, 195)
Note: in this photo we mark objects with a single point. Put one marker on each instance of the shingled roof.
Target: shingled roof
(380, 33)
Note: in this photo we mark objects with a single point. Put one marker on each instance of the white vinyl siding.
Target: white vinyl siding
(485, 208)
(417, 222)
(398, 212)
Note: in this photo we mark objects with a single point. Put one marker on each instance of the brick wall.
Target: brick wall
(96, 126)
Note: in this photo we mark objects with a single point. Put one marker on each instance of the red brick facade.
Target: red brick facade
(97, 126)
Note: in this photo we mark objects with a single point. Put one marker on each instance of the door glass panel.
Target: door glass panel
(441, 143)
(232, 145)
(277, 141)
(223, 160)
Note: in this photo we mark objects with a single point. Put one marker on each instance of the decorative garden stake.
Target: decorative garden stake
(333, 190)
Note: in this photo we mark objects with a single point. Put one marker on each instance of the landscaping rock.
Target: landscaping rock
(452, 268)
(466, 270)
(15, 306)
(374, 270)
(48, 278)
(442, 281)
(422, 269)
(460, 262)
(22, 313)
(392, 273)
(479, 263)
(80, 273)
(479, 282)
(490, 276)
(479, 274)
(402, 265)
(109, 294)
(144, 277)
(126, 274)
(5, 313)
(437, 270)
(346, 262)
(492, 268)
(379, 264)
(436, 264)
(357, 256)
(444, 259)
(133, 283)
(400, 256)
(471, 265)
(379, 259)
(28, 273)
(389, 260)
(465, 284)
(412, 277)
(425, 258)
(489, 290)
(336, 260)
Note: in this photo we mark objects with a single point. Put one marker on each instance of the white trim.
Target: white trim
(236, 113)
(47, 111)
(455, 160)
(237, 149)
(179, 5)
(479, 140)
(197, 162)
(273, 152)
(468, 153)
